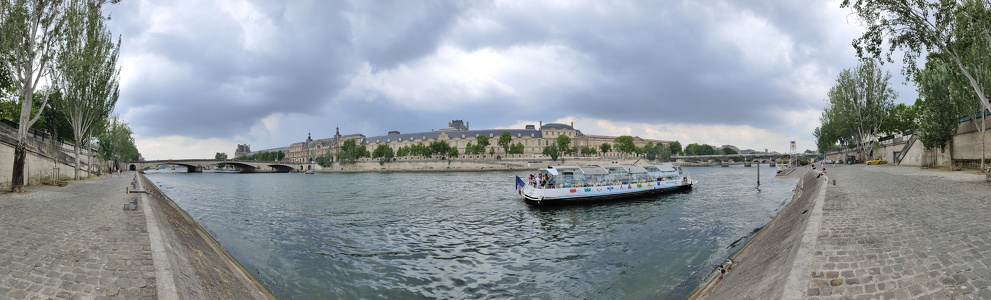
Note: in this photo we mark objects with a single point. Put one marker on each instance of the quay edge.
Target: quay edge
(203, 268)
(769, 262)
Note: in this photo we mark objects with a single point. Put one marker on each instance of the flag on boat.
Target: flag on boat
(519, 185)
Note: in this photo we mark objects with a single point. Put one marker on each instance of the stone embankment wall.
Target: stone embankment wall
(963, 152)
(370, 165)
(766, 263)
(38, 166)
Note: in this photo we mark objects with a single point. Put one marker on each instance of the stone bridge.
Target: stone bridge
(245, 166)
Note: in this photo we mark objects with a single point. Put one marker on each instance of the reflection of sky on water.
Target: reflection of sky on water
(469, 235)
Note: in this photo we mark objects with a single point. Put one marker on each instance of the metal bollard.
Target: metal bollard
(834, 181)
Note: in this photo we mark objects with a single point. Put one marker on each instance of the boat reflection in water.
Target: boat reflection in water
(572, 184)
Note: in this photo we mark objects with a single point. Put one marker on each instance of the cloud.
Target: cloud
(721, 72)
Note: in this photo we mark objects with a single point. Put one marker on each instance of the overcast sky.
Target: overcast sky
(200, 77)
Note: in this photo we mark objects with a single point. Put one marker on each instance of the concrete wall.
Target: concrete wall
(38, 165)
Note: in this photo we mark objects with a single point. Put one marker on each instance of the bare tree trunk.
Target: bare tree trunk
(17, 178)
(76, 152)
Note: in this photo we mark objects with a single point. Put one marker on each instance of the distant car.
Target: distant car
(828, 161)
(874, 162)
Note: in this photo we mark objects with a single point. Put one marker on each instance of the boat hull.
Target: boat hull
(599, 194)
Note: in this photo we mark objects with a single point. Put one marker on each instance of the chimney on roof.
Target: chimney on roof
(572, 124)
(541, 124)
(467, 125)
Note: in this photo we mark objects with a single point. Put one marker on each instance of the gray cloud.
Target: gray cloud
(213, 70)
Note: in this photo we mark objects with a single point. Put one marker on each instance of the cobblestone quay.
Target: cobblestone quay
(77, 242)
(883, 232)
(74, 241)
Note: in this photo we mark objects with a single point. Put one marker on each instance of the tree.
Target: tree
(85, 73)
(349, 152)
(505, 140)
(482, 142)
(453, 153)
(517, 148)
(943, 102)
(674, 147)
(440, 147)
(220, 156)
(900, 118)
(663, 152)
(383, 152)
(551, 151)
(730, 151)
(29, 36)
(916, 26)
(117, 143)
(858, 102)
(588, 151)
(605, 147)
(563, 143)
(624, 144)
(651, 151)
(492, 151)
(324, 160)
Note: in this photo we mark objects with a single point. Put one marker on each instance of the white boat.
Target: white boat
(569, 184)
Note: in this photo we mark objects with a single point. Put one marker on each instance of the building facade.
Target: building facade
(458, 135)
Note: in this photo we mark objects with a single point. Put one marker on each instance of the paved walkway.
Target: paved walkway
(890, 232)
(57, 244)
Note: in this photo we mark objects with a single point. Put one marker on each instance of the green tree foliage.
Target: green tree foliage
(492, 151)
(439, 147)
(85, 73)
(117, 143)
(325, 160)
(588, 151)
(943, 102)
(350, 152)
(651, 150)
(506, 140)
(482, 142)
(563, 143)
(730, 151)
(915, 27)
(858, 102)
(900, 118)
(264, 156)
(383, 152)
(624, 144)
(517, 148)
(663, 152)
(453, 153)
(30, 32)
(696, 149)
(605, 147)
(674, 147)
(220, 155)
(414, 150)
(826, 135)
(551, 151)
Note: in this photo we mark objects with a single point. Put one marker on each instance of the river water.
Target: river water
(469, 235)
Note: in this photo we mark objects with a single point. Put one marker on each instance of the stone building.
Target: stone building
(459, 135)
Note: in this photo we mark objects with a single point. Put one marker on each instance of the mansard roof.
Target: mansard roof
(492, 133)
(556, 126)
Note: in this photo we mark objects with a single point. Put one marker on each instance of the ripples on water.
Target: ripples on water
(469, 235)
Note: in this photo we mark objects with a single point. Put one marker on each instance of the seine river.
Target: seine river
(469, 235)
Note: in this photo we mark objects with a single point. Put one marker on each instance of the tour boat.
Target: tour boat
(570, 184)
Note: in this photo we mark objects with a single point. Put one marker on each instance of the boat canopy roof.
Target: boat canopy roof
(666, 168)
(587, 170)
(606, 169)
(594, 170)
(632, 169)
